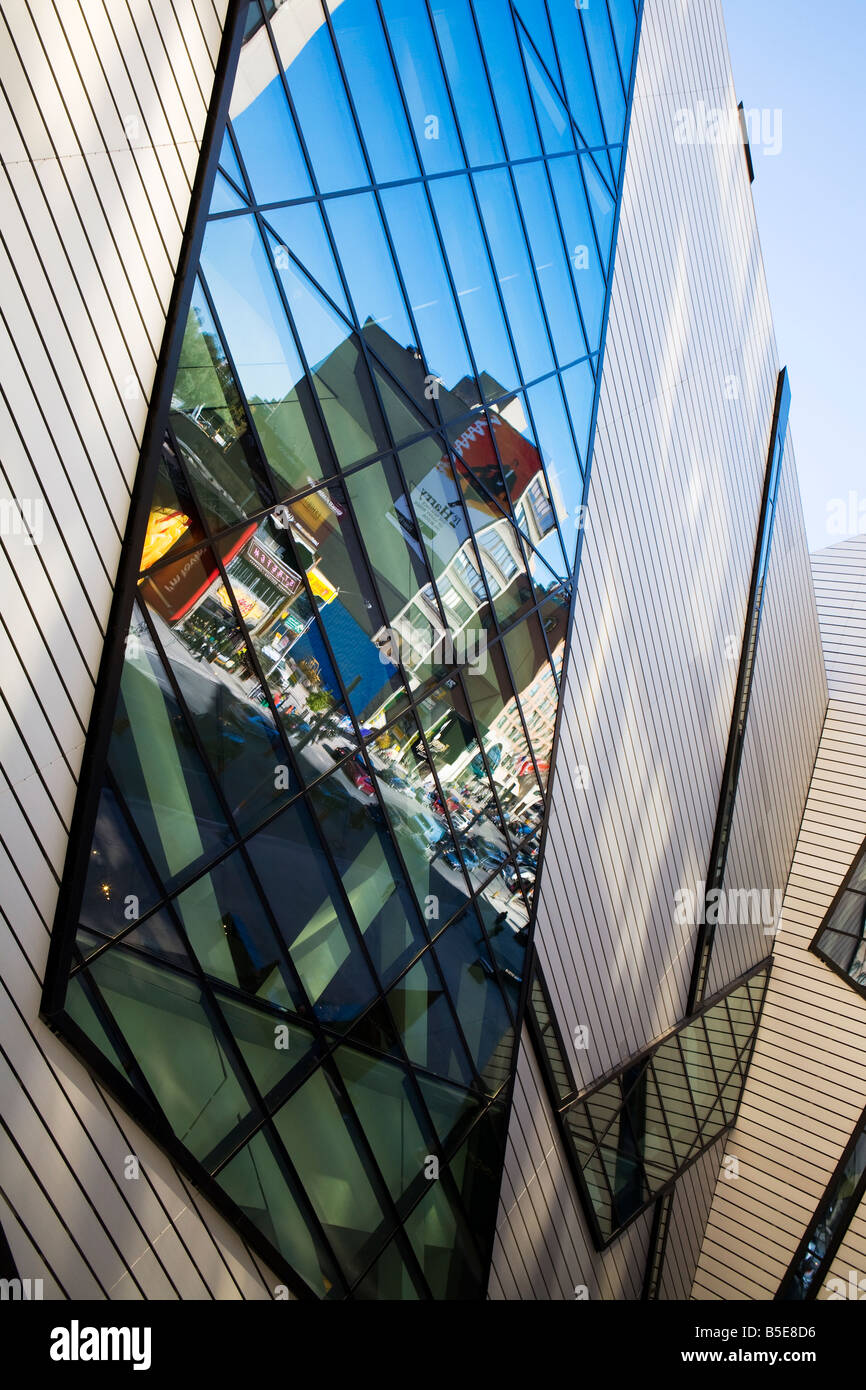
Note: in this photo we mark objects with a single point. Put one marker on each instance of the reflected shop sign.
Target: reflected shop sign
(264, 560)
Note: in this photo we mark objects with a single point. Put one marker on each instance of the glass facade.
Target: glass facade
(631, 1136)
(841, 939)
(297, 920)
(814, 1259)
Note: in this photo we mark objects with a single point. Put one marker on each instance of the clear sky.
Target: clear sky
(808, 60)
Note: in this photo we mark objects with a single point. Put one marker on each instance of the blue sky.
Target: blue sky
(809, 60)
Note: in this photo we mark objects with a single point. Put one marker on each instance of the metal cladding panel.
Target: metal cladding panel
(102, 111)
(807, 1085)
(683, 429)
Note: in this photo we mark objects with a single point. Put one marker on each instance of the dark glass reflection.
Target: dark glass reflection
(630, 1136)
(322, 803)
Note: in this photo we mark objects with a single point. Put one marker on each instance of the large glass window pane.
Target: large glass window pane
(605, 68)
(230, 166)
(442, 343)
(549, 257)
(258, 1182)
(443, 1247)
(699, 1069)
(505, 915)
(656, 1151)
(849, 915)
(389, 1280)
(451, 1109)
(670, 1078)
(174, 524)
(353, 825)
(80, 1006)
(277, 1053)
(419, 1005)
(209, 424)
(842, 950)
(337, 368)
(579, 90)
(501, 457)
(241, 281)
(326, 546)
(322, 1142)
(534, 680)
(400, 568)
(367, 264)
(465, 960)
(301, 230)
(551, 112)
(857, 881)
(475, 1168)
(463, 779)
(311, 915)
(602, 205)
(438, 501)
(319, 97)
(497, 717)
(116, 872)
(532, 22)
(280, 614)
(156, 765)
(624, 23)
(382, 1095)
(476, 290)
(370, 75)
(499, 42)
(579, 386)
(514, 271)
(721, 1039)
(742, 1020)
(556, 446)
(470, 89)
(232, 936)
(580, 240)
(423, 85)
(163, 1017)
(206, 648)
(224, 197)
(407, 790)
(623, 1168)
(263, 126)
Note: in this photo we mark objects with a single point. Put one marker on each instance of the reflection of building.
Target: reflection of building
(379, 409)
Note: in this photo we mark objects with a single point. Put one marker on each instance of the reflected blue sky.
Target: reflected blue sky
(568, 226)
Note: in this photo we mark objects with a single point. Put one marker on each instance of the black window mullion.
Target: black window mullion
(553, 203)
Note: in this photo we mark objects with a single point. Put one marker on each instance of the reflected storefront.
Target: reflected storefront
(298, 929)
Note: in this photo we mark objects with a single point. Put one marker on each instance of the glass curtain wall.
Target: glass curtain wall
(301, 932)
(631, 1136)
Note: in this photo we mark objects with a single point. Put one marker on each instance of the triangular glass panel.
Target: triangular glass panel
(225, 197)
(230, 166)
(258, 1183)
(301, 230)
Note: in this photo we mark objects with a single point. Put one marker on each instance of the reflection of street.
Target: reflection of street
(480, 843)
(211, 691)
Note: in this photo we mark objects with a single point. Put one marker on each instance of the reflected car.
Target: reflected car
(515, 879)
(490, 854)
